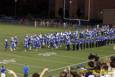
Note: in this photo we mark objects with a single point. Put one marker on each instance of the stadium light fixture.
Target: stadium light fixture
(70, 1)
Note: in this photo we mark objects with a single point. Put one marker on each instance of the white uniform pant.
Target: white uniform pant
(3, 75)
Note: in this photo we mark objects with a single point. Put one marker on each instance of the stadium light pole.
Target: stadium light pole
(63, 9)
(70, 3)
(64, 6)
(15, 7)
(89, 9)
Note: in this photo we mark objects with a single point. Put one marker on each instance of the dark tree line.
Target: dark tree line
(24, 7)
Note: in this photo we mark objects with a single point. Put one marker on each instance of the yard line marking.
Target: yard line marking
(77, 64)
(37, 59)
(70, 57)
(33, 66)
(57, 55)
(7, 61)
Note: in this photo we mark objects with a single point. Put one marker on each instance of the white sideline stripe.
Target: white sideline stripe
(76, 64)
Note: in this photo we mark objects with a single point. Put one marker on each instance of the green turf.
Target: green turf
(36, 62)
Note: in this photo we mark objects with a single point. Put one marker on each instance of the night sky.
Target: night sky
(24, 7)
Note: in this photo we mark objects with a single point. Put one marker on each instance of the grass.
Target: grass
(37, 62)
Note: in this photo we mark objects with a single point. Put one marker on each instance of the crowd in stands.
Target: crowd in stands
(95, 68)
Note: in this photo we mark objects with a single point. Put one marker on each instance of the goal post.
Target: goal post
(35, 23)
(79, 20)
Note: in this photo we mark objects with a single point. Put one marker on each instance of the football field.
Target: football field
(55, 59)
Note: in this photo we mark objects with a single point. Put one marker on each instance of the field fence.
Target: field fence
(46, 23)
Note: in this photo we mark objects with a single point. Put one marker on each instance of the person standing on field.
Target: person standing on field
(26, 71)
(3, 71)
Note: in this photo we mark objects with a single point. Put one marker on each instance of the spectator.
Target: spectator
(12, 72)
(112, 64)
(35, 75)
(63, 74)
(3, 71)
(42, 73)
(104, 70)
(26, 71)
